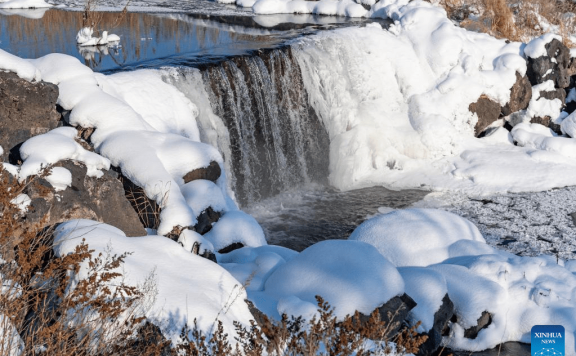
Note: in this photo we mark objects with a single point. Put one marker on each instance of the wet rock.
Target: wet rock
(520, 95)
(553, 67)
(206, 219)
(26, 109)
(487, 111)
(483, 322)
(232, 247)
(394, 312)
(101, 199)
(212, 173)
(441, 319)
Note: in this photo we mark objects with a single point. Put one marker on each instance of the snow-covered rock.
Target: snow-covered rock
(236, 227)
(421, 237)
(24, 4)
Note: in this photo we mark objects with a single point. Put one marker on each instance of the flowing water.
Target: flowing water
(248, 87)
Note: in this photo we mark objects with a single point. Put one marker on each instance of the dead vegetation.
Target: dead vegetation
(516, 20)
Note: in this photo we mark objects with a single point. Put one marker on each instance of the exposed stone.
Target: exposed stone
(205, 220)
(441, 319)
(212, 172)
(554, 94)
(520, 95)
(487, 111)
(553, 67)
(394, 312)
(26, 109)
(232, 247)
(546, 121)
(483, 322)
(101, 199)
(572, 67)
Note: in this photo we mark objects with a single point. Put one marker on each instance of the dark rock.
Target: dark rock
(546, 121)
(555, 94)
(259, 317)
(212, 172)
(572, 68)
(26, 109)
(394, 312)
(505, 349)
(520, 95)
(101, 199)
(205, 220)
(544, 68)
(441, 319)
(148, 210)
(483, 322)
(230, 248)
(573, 216)
(487, 111)
(209, 255)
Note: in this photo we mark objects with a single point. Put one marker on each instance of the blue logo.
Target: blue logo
(547, 340)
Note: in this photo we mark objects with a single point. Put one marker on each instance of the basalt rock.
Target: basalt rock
(483, 322)
(26, 109)
(520, 95)
(212, 173)
(206, 219)
(487, 111)
(394, 312)
(441, 319)
(100, 199)
(232, 247)
(554, 66)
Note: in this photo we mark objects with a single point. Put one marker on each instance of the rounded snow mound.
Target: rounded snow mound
(350, 275)
(236, 226)
(421, 237)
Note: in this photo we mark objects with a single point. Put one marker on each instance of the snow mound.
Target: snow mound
(252, 266)
(24, 4)
(350, 275)
(203, 292)
(537, 47)
(23, 68)
(201, 194)
(236, 226)
(420, 237)
(542, 138)
(40, 151)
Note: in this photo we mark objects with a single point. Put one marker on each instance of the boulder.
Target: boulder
(230, 248)
(520, 95)
(554, 94)
(487, 111)
(555, 66)
(394, 312)
(26, 109)
(441, 319)
(206, 219)
(483, 322)
(101, 199)
(212, 173)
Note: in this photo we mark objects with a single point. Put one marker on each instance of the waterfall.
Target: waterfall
(275, 139)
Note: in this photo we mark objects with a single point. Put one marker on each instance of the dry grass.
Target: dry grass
(517, 20)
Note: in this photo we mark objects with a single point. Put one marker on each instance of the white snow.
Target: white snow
(60, 178)
(187, 287)
(189, 238)
(542, 138)
(201, 194)
(537, 47)
(420, 237)
(236, 226)
(40, 151)
(84, 38)
(24, 4)
(568, 125)
(346, 8)
(11, 343)
(22, 201)
(12, 63)
(329, 268)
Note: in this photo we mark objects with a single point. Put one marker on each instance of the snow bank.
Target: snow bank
(420, 237)
(142, 125)
(205, 291)
(380, 106)
(346, 8)
(542, 138)
(40, 151)
(21, 67)
(24, 4)
(350, 275)
(236, 226)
